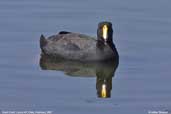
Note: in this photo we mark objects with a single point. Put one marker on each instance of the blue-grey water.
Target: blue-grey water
(142, 34)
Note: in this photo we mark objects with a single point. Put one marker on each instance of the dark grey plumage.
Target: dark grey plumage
(76, 46)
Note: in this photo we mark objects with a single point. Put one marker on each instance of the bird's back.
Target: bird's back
(73, 41)
(71, 46)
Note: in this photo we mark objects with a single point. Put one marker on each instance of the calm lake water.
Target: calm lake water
(142, 34)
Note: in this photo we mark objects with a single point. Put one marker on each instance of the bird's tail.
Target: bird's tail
(43, 42)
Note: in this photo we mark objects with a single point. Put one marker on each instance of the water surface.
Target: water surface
(142, 31)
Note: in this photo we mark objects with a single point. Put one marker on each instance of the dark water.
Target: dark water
(142, 31)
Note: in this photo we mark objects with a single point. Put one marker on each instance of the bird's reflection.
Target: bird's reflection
(103, 71)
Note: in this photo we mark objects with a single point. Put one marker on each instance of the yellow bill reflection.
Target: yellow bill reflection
(103, 92)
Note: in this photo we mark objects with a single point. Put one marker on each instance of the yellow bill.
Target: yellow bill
(105, 32)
